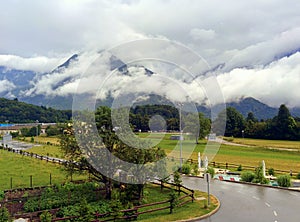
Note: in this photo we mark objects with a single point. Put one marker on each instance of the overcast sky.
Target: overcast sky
(255, 43)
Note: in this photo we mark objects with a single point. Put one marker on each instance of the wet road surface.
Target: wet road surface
(243, 203)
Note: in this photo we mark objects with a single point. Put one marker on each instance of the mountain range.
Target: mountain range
(23, 81)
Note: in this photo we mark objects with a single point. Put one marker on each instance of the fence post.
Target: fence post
(31, 181)
(50, 179)
(11, 183)
(226, 165)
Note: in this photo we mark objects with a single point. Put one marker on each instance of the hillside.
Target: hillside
(20, 112)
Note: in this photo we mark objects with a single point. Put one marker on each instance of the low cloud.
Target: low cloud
(274, 84)
(38, 64)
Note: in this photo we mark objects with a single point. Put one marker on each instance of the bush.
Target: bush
(284, 180)
(298, 176)
(240, 168)
(4, 215)
(2, 195)
(271, 171)
(46, 217)
(247, 176)
(186, 169)
(211, 171)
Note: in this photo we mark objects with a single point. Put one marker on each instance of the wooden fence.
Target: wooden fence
(127, 214)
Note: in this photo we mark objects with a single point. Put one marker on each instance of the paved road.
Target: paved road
(243, 203)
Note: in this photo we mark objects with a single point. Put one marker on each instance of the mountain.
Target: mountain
(259, 109)
(21, 84)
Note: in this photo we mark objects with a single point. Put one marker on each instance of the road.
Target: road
(243, 203)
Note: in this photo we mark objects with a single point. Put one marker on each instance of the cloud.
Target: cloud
(274, 84)
(202, 34)
(37, 64)
(247, 41)
(6, 86)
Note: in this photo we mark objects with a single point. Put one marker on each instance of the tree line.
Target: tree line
(15, 111)
(283, 126)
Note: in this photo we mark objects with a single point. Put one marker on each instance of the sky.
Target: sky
(255, 45)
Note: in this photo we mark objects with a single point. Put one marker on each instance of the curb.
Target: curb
(204, 216)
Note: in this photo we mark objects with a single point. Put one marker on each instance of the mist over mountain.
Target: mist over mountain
(26, 86)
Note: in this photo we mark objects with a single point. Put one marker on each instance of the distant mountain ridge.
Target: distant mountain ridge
(21, 81)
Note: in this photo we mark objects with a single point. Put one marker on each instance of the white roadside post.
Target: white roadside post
(199, 161)
(207, 176)
(264, 168)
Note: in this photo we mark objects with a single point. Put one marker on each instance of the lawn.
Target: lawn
(20, 168)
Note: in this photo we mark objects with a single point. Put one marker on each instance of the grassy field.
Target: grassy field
(20, 168)
(251, 156)
(47, 150)
(268, 143)
(42, 139)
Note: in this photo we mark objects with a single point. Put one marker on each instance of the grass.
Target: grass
(41, 139)
(268, 143)
(47, 150)
(188, 211)
(20, 168)
(251, 156)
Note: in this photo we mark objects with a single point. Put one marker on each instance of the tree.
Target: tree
(234, 122)
(104, 152)
(283, 126)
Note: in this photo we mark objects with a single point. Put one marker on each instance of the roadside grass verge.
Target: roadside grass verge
(188, 211)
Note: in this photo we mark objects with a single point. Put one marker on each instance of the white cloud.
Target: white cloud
(6, 86)
(202, 34)
(247, 36)
(274, 84)
(37, 64)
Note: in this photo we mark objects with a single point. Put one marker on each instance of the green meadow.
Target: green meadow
(20, 168)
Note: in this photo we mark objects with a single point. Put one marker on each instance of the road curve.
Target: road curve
(241, 202)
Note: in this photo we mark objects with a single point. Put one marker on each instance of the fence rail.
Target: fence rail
(127, 214)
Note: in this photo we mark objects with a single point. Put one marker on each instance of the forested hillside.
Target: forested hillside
(20, 112)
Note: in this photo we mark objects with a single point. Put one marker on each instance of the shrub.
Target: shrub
(298, 176)
(46, 217)
(284, 180)
(2, 195)
(4, 215)
(211, 171)
(247, 176)
(186, 169)
(240, 168)
(271, 171)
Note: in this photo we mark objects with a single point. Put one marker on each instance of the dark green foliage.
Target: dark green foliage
(298, 176)
(4, 215)
(53, 130)
(2, 195)
(247, 176)
(19, 112)
(284, 180)
(62, 195)
(174, 200)
(271, 171)
(46, 217)
(186, 168)
(259, 177)
(211, 171)
(240, 168)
